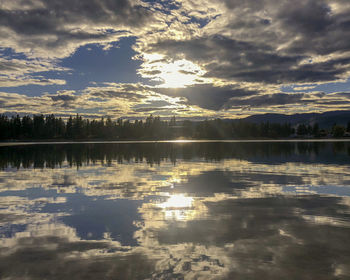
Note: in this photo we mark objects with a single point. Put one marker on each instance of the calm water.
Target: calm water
(175, 211)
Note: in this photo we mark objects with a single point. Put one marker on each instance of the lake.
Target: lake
(215, 210)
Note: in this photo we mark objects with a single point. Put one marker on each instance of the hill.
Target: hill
(325, 120)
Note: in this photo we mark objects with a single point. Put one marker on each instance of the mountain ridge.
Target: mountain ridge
(325, 119)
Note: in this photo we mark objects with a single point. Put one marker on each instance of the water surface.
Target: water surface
(275, 210)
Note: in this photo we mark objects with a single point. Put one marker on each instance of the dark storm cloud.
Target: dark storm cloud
(150, 109)
(343, 94)
(317, 28)
(237, 60)
(268, 43)
(267, 100)
(216, 98)
(271, 42)
(313, 25)
(198, 49)
(279, 74)
(129, 92)
(117, 94)
(306, 17)
(206, 96)
(53, 24)
(52, 15)
(63, 97)
(333, 102)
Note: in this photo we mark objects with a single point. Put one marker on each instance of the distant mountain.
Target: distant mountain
(324, 120)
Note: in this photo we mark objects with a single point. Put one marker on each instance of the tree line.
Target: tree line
(50, 127)
(54, 156)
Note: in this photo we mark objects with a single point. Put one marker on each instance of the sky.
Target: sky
(191, 59)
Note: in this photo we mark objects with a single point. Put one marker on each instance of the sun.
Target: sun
(179, 73)
(171, 74)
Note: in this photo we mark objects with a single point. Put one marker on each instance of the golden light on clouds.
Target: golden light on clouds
(227, 61)
(171, 74)
(179, 73)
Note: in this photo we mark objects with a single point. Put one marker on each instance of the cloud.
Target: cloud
(46, 30)
(19, 72)
(7, 81)
(137, 100)
(58, 28)
(206, 96)
(267, 100)
(64, 99)
(150, 109)
(130, 92)
(259, 210)
(267, 42)
(239, 61)
(224, 55)
(115, 100)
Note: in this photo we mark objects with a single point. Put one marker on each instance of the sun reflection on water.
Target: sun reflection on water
(178, 207)
(177, 201)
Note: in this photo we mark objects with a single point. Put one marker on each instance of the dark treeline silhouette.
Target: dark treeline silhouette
(315, 131)
(50, 127)
(57, 155)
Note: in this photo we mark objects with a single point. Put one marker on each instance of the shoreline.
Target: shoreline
(20, 143)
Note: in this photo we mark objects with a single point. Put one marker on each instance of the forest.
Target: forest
(49, 127)
(55, 156)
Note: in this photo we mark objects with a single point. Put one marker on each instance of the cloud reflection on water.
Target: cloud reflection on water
(233, 218)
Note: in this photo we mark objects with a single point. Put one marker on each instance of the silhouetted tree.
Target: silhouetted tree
(302, 129)
(50, 127)
(69, 128)
(27, 127)
(315, 130)
(338, 131)
(39, 126)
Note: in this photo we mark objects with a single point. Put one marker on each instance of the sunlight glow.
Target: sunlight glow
(179, 73)
(178, 207)
(177, 201)
(175, 74)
